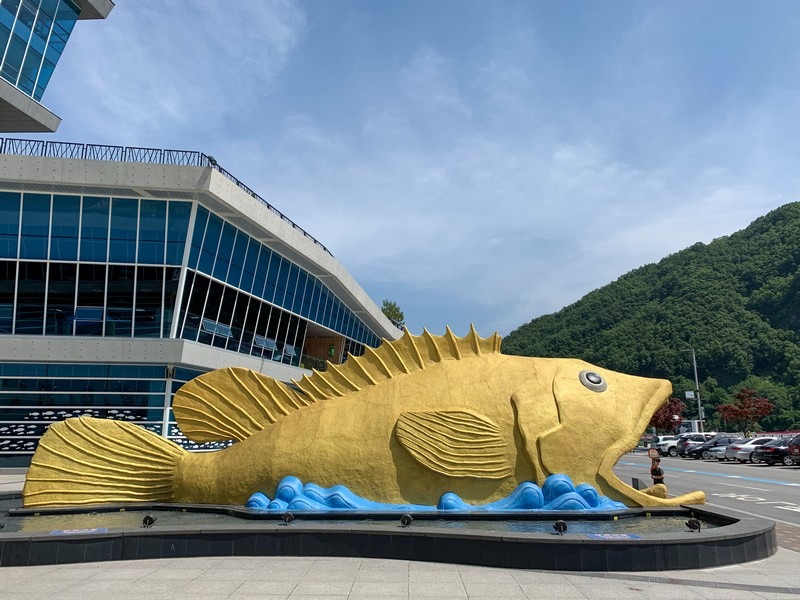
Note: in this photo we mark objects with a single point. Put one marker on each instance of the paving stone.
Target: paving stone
(379, 589)
(508, 590)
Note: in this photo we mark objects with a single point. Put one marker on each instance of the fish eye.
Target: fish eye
(593, 381)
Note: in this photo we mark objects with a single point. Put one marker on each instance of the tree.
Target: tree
(745, 412)
(393, 313)
(667, 418)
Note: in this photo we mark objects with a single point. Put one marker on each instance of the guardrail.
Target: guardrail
(186, 158)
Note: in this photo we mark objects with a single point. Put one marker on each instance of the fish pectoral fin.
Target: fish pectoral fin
(455, 443)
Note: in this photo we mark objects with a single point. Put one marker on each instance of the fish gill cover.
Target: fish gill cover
(558, 494)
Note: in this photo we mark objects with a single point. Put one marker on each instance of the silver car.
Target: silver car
(717, 452)
(732, 449)
(744, 451)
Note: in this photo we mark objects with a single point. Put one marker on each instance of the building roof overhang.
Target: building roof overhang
(94, 9)
(21, 113)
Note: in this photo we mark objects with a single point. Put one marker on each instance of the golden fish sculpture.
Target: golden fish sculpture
(404, 423)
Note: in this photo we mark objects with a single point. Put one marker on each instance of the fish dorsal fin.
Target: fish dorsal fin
(232, 404)
(408, 354)
(455, 443)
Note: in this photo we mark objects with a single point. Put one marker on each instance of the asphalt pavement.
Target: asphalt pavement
(751, 489)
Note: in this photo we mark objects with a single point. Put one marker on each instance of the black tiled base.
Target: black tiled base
(745, 540)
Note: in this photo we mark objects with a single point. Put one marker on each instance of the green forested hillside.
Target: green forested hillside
(736, 301)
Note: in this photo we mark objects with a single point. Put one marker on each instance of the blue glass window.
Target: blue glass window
(249, 271)
(186, 374)
(179, 213)
(9, 222)
(312, 296)
(65, 18)
(237, 259)
(76, 370)
(272, 278)
(149, 301)
(321, 307)
(171, 278)
(331, 312)
(30, 298)
(56, 400)
(329, 308)
(152, 231)
(7, 15)
(40, 28)
(30, 70)
(60, 298)
(224, 251)
(94, 229)
(14, 53)
(283, 277)
(88, 318)
(264, 261)
(210, 244)
(119, 314)
(297, 303)
(8, 278)
(197, 236)
(339, 317)
(35, 225)
(46, 72)
(124, 216)
(315, 297)
(198, 292)
(66, 219)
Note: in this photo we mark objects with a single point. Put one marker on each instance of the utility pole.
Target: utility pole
(697, 393)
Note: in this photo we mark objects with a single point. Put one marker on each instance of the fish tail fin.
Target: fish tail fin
(97, 461)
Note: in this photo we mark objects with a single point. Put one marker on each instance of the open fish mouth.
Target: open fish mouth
(617, 489)
(614, 487)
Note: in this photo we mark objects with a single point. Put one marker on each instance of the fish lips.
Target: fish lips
(628, 442)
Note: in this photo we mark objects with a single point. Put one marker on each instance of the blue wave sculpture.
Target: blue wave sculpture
(557, 493)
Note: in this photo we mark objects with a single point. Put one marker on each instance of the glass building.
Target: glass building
(125, 272)
(33, 35)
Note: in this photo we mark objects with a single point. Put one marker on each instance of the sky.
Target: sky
(475, 162)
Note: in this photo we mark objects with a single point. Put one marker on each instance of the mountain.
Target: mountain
(736, 301)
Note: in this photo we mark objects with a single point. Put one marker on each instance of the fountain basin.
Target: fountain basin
(235, 531)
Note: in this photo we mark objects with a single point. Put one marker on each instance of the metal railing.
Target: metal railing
(185, 158)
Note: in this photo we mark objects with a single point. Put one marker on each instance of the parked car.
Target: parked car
(794, 449)
(718, 452)
(657, 439)
(704, 450)
(743, 452)
(670, 447)
(732, 449)
(776, 451)
(694, 439)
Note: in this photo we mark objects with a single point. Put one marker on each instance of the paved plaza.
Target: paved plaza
(282, 578)
(296, 578)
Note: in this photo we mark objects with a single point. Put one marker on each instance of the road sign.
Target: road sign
(652, 453)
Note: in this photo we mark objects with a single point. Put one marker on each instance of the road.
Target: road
(756, 490)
